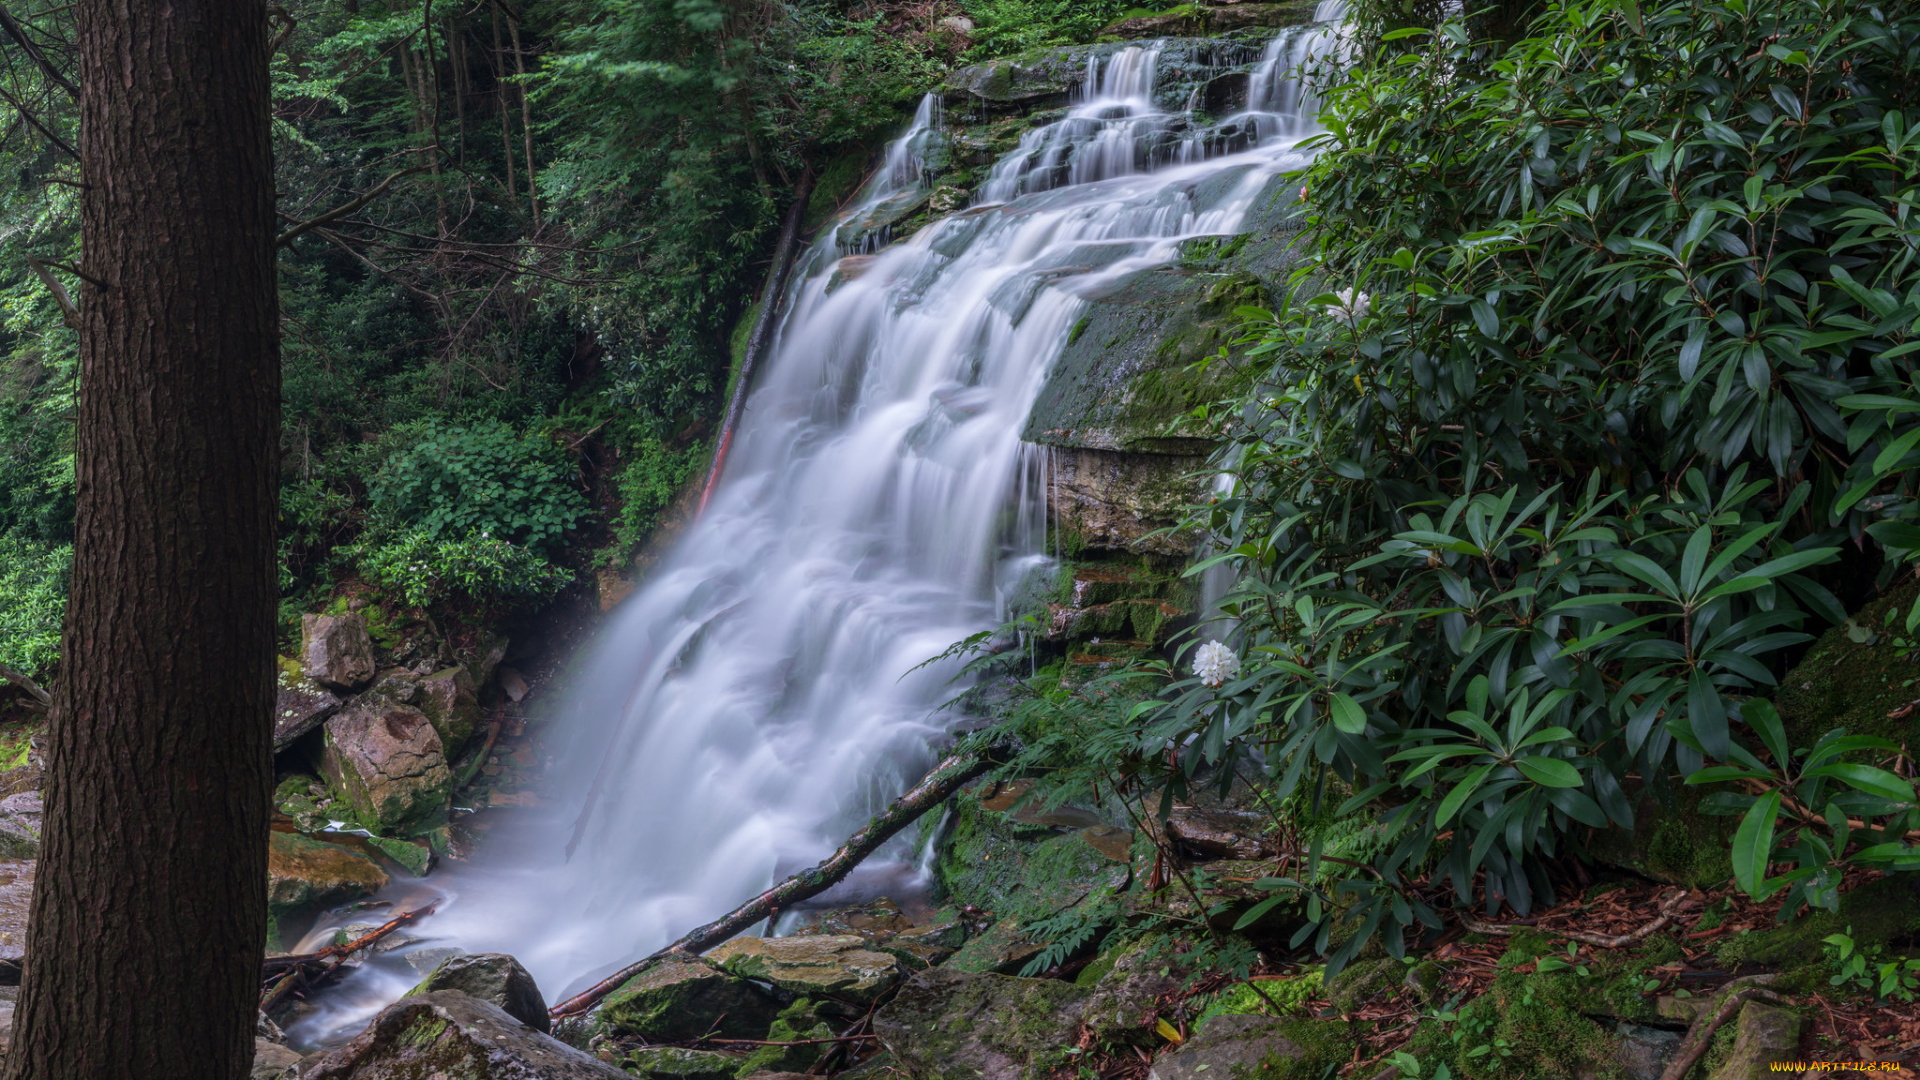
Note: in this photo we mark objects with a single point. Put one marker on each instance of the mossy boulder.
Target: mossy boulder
(451, 703)
(1878, 913)
(306, 876)
(336, 650)
(840, 967)
(1671, 841)
(1210, 19)
(798, 1026)
(386, 763)
(1855, 677)
(674, 1063)
(491, 977)
(990, 860)
(683, 999)
(1256, 1046)
(955, 1025)
(450, 1036)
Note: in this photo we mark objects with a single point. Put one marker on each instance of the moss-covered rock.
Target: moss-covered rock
(990, 860)
(682, 999)
(1764, 1035)
(450, 1036)
(1855, 677)
(306, 876)
(840, 967)
(386, 763)
(451, 703)
(1671, 841)
(798, 1025)
(674, 1063)
(1875, 914)
(1250, 1046)
(953, 1025)
(1209, 19)
(491, 977)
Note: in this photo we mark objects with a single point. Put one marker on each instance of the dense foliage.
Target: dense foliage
(1593, 393)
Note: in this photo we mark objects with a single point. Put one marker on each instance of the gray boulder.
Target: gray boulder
(836, 966)
(448, 1034)
(387, 763)
(491, 977)
(336, 651)
(271, 1060)
(300, 705)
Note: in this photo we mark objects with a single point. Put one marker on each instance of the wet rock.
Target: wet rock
(305, 876)
(300, 705)
(448, 1034)
(452, 704)
(271, 1060)
(1765, 1034)
(491, 977)
(336, 651)
(513, 684)
(1226, 1046)
(398, 685)
(1115, 844)
(1004, 948)
(1644, 1051)
(1121, 501)
(1219, 834)
(20, 828)
(415, 855)
(425, 960)
(954, 1025)
(673, 1063)
(874, 922)
(485, 658)
(684, 999)
(16, 894)
(841, 967)
(387, 763)
(1029, 81)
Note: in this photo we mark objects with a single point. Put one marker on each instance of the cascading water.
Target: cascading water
(763, 693)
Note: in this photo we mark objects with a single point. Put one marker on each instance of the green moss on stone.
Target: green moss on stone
(1854, 684)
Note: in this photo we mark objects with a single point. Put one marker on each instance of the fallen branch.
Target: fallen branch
(762, 328)
(946, 778)
(1700, 1035)
(1668, 909)
(294, 970)
(34, 690)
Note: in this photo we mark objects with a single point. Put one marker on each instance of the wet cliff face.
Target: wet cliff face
(1112, 407)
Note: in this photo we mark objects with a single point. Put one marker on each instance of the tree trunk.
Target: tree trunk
(149, 916)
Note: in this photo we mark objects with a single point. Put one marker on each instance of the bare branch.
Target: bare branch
(27, 115)
(347, 207)
(68, 312)
(19, 35)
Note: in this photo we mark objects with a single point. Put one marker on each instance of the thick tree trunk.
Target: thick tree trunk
(149, 914)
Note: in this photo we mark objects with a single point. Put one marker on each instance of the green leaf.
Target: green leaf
(1764, 719)
(1874, 781)
(1347, 714)
(1549, 772)
(1461, 792)
(1753, 844)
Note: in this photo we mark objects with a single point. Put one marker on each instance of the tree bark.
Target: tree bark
(149, 918)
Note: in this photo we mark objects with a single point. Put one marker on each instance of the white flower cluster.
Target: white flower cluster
(1353, 305)
(1215, 663)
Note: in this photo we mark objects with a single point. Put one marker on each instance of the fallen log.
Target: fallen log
(783, 255)
(946, 778)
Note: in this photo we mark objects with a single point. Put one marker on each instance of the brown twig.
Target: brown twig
(1668, 908)
(1700, 1035)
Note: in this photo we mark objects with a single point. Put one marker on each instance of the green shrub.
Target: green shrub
(653, 475)
(477, 569)
(483, 479)
(33, 600)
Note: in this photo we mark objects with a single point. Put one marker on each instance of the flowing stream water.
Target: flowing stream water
(763, 692)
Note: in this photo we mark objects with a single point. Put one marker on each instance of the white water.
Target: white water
(757, 699)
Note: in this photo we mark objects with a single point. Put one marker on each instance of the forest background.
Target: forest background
(509, 352)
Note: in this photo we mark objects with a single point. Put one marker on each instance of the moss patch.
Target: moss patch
(1854, 676)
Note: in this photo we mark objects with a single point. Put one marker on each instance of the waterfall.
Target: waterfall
(763, 692)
